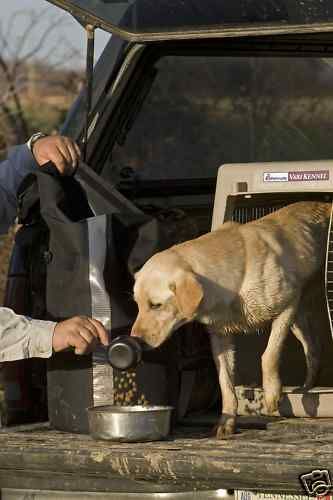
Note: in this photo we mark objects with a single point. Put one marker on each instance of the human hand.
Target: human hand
(81, 333)
(62, 151)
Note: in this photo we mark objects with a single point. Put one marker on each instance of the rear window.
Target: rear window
(202, 112)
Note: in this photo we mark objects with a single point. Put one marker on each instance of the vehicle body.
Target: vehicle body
(180, 89)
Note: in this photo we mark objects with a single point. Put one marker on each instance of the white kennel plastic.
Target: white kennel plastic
(277, 177)
(248, 191)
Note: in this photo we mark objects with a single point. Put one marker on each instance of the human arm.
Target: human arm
(62, 151)
(22, 337)
(18, 164)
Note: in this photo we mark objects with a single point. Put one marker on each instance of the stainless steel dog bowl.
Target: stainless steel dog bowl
(129, 423)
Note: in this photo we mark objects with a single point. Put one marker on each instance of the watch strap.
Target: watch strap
(34, 138)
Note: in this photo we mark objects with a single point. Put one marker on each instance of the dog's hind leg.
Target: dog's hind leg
(311, 347)
(223, 350)
(271, 358)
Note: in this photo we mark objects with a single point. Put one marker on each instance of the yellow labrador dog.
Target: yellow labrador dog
(236, 279)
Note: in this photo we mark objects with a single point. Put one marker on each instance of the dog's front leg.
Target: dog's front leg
(270, 360)
(224, 357)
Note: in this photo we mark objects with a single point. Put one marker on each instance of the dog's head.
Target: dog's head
(168, 295)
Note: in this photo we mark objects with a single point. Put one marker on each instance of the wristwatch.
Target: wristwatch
(33, 139)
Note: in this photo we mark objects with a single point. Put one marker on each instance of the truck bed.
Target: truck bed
(267, 459)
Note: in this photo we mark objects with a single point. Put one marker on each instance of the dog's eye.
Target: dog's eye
(154, 306)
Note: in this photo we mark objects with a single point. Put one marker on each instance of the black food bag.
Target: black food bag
(96, 239)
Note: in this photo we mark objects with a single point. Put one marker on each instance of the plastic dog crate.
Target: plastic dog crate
(246, 192)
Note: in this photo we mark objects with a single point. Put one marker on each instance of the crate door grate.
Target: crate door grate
(243, 215)
(329, 272)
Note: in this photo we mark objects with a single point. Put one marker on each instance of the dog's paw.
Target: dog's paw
(272, 400)
(272, 393)
(225, 427)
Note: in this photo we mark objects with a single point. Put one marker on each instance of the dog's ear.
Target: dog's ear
(188, 293)
(136, 275)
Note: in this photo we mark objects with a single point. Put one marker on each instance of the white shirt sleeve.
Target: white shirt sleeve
(22, 337)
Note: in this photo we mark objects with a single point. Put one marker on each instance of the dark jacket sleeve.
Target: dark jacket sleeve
(19, 163)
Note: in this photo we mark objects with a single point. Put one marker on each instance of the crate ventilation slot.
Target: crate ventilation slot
(243, 215)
